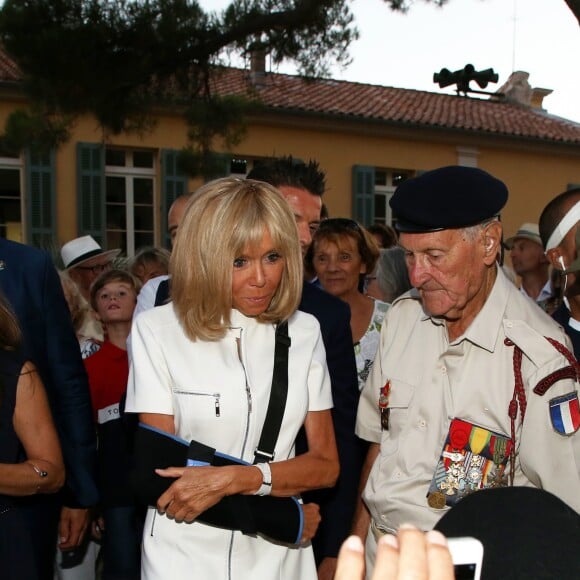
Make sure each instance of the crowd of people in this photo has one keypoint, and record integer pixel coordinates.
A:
(288, 394)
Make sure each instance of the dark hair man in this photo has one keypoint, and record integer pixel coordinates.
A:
(472, 386)
(302, 184)
(559, 232)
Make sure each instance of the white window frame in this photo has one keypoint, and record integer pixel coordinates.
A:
(129, 172)
(17, 163)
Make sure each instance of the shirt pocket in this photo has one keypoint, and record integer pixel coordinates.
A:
(195, 403)
(400, 399)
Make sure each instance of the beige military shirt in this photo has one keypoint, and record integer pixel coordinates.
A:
(472, 378)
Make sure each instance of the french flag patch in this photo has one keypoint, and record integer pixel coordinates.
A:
(565, 413)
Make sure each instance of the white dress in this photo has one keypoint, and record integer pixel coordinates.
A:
(222, 401)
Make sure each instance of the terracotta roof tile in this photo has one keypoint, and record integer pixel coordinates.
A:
(401, 106)
(365, 102)
(9, 71)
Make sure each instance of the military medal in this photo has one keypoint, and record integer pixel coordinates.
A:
(436, 500)
(384, 405)
(473, 458)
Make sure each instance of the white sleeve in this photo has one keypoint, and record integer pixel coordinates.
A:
(146, 297)
(149, 385)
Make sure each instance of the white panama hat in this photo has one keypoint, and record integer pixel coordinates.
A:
(80, 250)
(527, 231)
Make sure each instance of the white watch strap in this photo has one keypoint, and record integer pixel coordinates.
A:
(266, 487)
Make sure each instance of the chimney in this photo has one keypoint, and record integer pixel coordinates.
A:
(258, 67)
(538, 95)
(517, 89)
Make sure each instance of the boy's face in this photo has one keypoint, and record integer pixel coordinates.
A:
(116, 302)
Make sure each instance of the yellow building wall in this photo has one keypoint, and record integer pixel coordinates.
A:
(533, 173)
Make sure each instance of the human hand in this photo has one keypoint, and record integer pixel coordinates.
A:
(312, 519)
(196, 490)
(411, 555)
(72, 527)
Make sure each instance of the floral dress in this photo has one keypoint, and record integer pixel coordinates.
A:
(366, 348)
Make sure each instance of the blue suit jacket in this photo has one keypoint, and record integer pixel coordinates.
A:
(32, 287)
(336, 504)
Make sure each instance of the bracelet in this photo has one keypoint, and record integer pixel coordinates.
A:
(41, 472)
(266, 487)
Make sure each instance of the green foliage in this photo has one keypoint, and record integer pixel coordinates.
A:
(219, 123)
(35, 128)
(116, 59)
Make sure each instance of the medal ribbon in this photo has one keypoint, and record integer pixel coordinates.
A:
(478, 439)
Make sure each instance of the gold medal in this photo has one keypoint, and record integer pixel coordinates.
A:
(436, 500)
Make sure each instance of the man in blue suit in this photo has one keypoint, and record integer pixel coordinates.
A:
(303, 184)
(31, 284)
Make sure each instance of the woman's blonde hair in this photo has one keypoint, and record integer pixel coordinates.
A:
(78, 307)
(222, 219)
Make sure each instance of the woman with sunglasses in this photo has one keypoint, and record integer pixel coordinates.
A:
(342, 254)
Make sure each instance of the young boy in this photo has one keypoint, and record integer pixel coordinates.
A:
(113, 298)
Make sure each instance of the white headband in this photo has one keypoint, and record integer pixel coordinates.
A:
(565, 225)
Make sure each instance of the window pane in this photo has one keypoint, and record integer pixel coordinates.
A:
(143, 190)
(399, 177)
(115, 157)
(238, 167)
(117, 240)
(116, 217)
(380, 177)
(143, 216)
(115, 190)
(143, 239)
(10, 218)
(380, 207)
(143, 159)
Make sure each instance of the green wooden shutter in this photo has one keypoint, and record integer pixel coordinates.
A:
(40, 194)
(363, 194)
(173, 184)
(91, 191)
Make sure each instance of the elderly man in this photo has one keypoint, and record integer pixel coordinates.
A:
(560, 236)
(472, 387)
(530, 263)
(84, 260)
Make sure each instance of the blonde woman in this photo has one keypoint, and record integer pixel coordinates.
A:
(202, 368)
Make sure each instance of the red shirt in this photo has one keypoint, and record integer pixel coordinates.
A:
(108, 371)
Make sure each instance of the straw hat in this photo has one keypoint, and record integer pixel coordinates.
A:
(81, 250)
(528, 231)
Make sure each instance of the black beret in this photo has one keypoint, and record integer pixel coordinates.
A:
(445, 198)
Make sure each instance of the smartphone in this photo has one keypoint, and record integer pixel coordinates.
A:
(467, 555)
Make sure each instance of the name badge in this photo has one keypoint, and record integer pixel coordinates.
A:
(110, 413)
